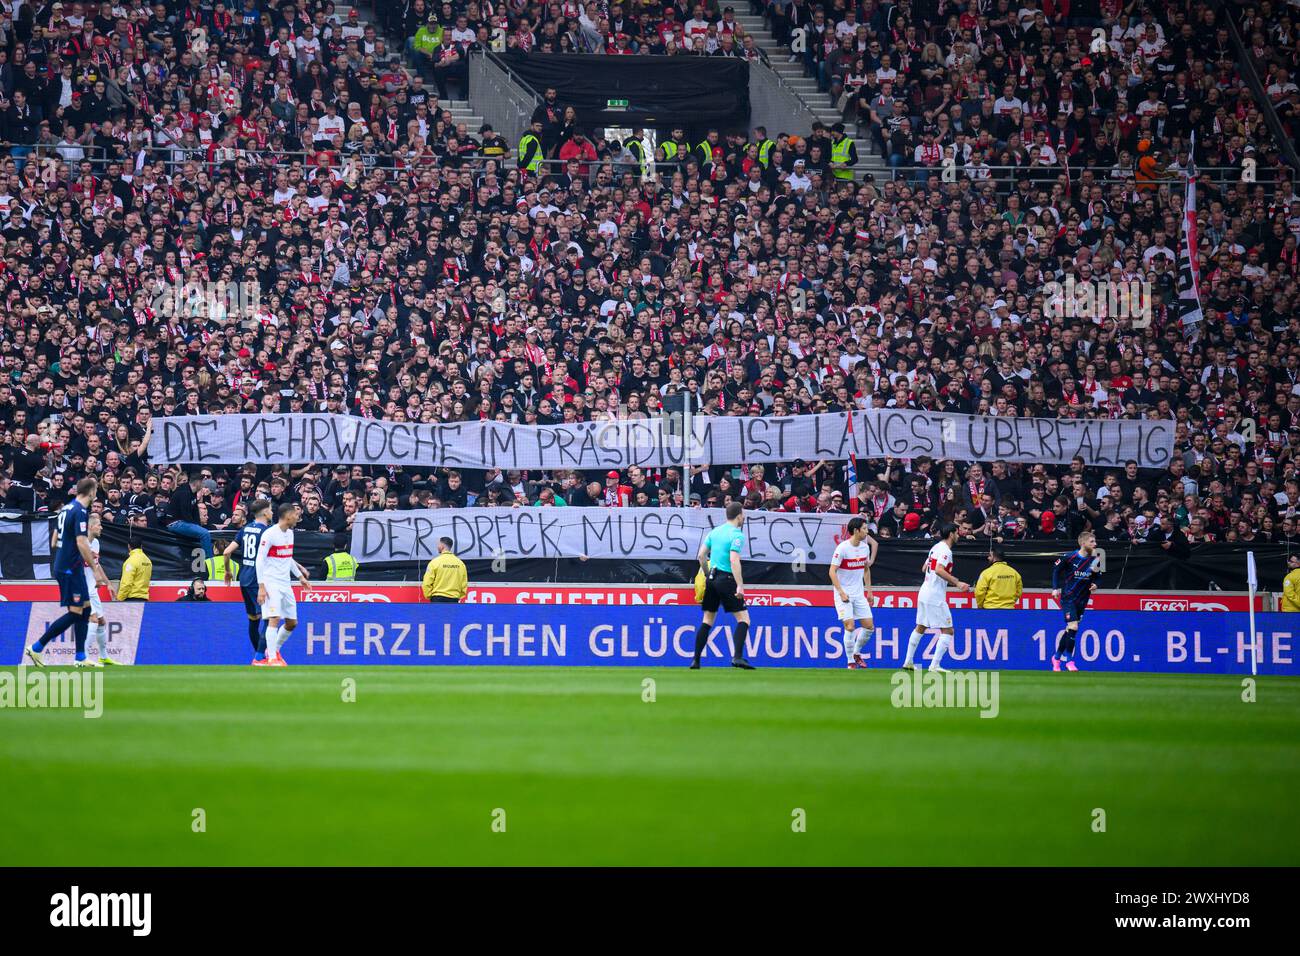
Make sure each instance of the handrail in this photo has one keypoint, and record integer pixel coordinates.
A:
(500, 61)
(500, 95)
(1004, 175)
(998, 175)
(1251, 76)
(276, 158)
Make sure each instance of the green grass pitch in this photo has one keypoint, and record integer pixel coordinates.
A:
(711, 772)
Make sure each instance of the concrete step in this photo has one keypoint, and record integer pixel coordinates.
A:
(805, 87)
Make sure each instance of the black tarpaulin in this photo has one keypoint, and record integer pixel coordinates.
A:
(692, 90)
(24, 554)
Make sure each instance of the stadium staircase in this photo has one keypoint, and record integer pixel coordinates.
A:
(805, 87)
(461, 111)
(791, 74)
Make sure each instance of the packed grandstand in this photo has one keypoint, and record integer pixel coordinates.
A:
(408, 268)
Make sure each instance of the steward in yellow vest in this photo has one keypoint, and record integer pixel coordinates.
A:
(445, 579)
(637, 149)
(529, 155)
(999, 586)
(1291, 585)
(217, 565)
(765, 146)
(340, 566)
(844, 154)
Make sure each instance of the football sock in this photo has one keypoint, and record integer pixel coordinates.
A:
(738, 638)
(701, 639)
(850, 642)
(913, 643)
(261, 639)
(272, 639)
(859, 640)
(79, 631)
(1065, 650)
(282, 639)
(100, 633)
(941, 648)
(254, 637)
(56, 628)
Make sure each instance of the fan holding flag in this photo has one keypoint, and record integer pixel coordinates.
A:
(851, 469)
(1189, 278)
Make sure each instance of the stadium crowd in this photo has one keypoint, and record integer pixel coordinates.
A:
(406, 268)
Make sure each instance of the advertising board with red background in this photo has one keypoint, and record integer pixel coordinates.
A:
(361, 592)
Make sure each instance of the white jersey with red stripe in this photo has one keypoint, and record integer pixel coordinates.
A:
(850, 563)
(92, 587)
(275, 563)
(935, 588)
(90, 572)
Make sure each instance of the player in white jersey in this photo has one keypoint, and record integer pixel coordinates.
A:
(276, 572)
(94, 576)
(851, 578)
(932, 612)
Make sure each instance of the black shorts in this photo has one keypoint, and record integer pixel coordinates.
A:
(720, 591)
(249, 593)
(73, 591)
(440, 599)
(1074, 609)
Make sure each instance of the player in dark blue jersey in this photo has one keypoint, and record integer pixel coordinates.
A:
(244, 549)
(1073, 581)
(72, 556)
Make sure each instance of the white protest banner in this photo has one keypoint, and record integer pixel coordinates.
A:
(606, 533)
(651, 442)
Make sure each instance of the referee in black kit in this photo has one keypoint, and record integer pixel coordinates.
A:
(724, 585)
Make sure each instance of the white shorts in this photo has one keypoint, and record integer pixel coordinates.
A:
(932, 613)
(857, 608)
(96, 605)
(280, 602)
